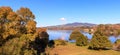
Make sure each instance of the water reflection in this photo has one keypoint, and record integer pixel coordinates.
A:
(64, 34)
(112, 39)
(58, 34)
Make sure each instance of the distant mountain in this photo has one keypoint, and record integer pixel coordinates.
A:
(76, 24)
(71, 25)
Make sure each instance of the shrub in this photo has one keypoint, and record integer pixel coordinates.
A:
(117, 41)
(51, 44)
(117, 44)
(60, 42)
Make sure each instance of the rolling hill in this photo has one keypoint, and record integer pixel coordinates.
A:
(71, 26)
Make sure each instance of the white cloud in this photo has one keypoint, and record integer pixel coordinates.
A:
(62, 19)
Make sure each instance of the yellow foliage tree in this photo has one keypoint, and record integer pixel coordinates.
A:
(31, 26)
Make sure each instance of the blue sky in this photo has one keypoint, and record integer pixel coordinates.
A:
(55, 12)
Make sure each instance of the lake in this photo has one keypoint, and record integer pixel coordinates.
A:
(64, 34)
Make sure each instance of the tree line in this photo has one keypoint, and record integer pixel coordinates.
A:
(99, 40)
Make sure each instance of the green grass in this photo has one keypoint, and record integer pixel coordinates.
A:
(72, 49)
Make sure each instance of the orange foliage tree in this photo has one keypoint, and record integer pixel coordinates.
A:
(12, 24)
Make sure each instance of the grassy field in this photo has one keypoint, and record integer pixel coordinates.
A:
(72, 49)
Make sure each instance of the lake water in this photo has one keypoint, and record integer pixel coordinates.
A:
(64, 34)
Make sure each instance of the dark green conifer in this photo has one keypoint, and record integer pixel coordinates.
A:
(81, 40)
(99, 41)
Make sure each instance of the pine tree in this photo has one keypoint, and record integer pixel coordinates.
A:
(81, 40)
(99, 41)
(74, 35)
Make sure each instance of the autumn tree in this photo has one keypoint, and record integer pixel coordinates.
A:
(18, 35)
(9, 22)
(12, 24)
(31, 26)
(28, 25)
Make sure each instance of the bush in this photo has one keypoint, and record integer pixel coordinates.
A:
(117, 41)
(117, 45)
(60, 42)
(99, 41)
(51, 44)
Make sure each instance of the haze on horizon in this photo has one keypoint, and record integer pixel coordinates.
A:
(56, 12)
